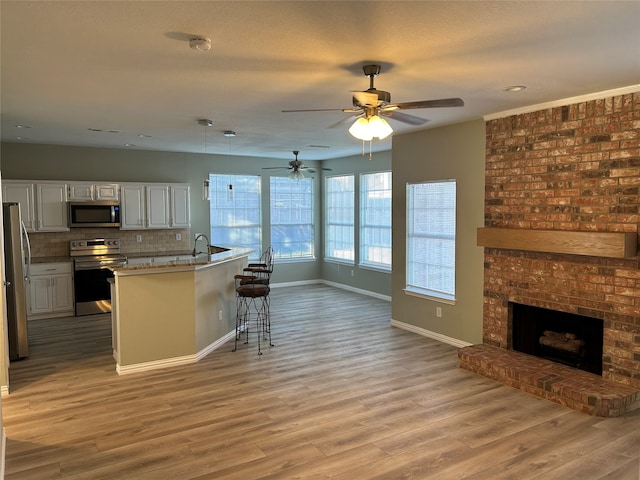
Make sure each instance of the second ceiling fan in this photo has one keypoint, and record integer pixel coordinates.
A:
(296, 167)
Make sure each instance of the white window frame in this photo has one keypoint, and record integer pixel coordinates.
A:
(339, 238)
(295, 205)
(379, 229)
(227, 195)
(431, 227)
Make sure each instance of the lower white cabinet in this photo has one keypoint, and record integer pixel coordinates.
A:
(50, 290)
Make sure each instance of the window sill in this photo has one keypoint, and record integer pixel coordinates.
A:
(449, 300)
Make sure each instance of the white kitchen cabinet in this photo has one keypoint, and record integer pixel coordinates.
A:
(50, 290)
(133, 207)
(180, 206)
(51, 210)
(82, 192)
(107, 191)
(158, 206)
(23, 193)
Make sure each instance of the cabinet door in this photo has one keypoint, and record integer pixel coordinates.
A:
(157, 206)
(180, 206)
(23, 194)
(80, 192)
(109, 191)
(132, 208)
(40, 295)
(52, 207)
(62, 293)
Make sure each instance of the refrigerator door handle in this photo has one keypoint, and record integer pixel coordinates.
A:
(28, 263)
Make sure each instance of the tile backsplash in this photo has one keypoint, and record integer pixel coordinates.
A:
(56, 244)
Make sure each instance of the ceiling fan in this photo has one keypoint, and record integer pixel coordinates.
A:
(296, 167)
(372, 104)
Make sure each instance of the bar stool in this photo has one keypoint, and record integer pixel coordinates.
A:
(253, 301)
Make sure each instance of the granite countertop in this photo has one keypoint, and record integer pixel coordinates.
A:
(158, 263)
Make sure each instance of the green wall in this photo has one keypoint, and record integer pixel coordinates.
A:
(452, 152)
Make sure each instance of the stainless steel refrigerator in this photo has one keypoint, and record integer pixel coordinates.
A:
(17, 259)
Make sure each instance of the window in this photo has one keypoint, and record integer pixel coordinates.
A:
(235, 211)
(292, 218)
(375, 220)
(339, 198)
(431, 238)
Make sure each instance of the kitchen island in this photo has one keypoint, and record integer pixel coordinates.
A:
(173, 310)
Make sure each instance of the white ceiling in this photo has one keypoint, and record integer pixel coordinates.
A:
(68, 66)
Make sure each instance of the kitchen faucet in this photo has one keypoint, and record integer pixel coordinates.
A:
(195, 244)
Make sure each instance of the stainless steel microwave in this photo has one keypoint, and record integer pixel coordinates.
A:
(94, 214)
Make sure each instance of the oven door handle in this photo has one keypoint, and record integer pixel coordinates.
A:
(80, 266)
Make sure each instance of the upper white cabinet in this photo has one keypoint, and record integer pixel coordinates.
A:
(23, 193)
(80, 191)
(132, 207)
(157, 206)
(154, 206)
(180, 206)
(43, 206)
(52, 207)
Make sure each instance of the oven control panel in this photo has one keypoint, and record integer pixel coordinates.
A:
(95, 246)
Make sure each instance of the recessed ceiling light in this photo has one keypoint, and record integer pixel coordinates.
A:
(205, 122)
(22, 138)
(142, 135)
(23, 126)
(319, 146)
(229, 133)
(129, 144)
(514, 88)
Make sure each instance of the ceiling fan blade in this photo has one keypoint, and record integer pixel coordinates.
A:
(366, 98)
(443, 102)
(277, 168)
(345, 119)
(314, 110)
(404, 117)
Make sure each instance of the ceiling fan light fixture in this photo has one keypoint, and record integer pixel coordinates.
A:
(379, 127)
(360, 129)
(296, 175)
(366, 129)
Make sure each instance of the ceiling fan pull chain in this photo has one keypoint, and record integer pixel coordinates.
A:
(370, 154)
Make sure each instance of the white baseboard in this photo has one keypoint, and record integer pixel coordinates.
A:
(176, 361)
(428, 333)
(333, 284)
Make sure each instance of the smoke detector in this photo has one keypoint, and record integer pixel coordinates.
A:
(202, 44)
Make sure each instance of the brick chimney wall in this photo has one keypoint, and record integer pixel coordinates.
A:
(573, 168)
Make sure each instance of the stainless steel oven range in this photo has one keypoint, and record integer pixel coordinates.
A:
(92, 260)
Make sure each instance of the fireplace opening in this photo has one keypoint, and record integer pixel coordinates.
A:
(567, 338)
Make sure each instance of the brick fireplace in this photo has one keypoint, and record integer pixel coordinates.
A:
(573, 168)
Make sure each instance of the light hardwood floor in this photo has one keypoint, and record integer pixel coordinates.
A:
(342, 395)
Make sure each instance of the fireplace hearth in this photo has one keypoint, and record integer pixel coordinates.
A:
(567, 338)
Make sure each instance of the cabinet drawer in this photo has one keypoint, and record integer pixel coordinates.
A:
(50, 268)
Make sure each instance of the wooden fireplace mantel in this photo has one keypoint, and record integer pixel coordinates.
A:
(595, 244)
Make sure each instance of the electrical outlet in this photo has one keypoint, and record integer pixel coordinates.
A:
(438, 312)
(139, 238)
(178, 236)
(353, 273)
(219, 314)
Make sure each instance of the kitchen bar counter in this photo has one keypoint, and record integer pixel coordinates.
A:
(173, 313)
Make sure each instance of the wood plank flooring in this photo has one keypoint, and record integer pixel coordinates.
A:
(342, 395)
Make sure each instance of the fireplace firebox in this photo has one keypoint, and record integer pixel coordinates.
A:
(566, 338)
